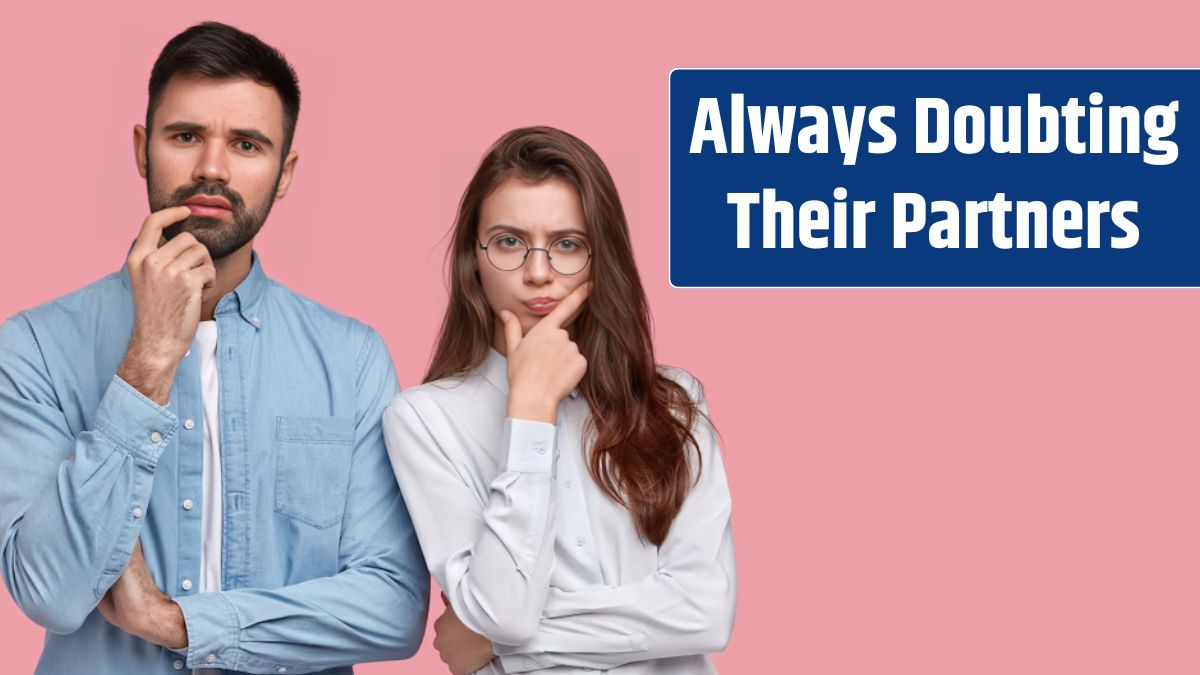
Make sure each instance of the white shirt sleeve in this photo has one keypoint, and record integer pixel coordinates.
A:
(492, 559)
(686, 607)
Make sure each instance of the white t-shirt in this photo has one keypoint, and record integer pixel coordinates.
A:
(210, 518)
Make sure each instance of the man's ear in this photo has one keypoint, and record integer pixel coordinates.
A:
(139, 148)
(285, 175)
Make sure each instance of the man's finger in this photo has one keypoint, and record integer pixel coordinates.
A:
(568, 309)
(205, 274)
(172, 249)
(152, 227)
(512, 330)
(193, 256)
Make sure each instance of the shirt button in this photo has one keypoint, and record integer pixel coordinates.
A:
(210, 658)
(155, 437)
(188, 424)
(579, 542)
(281, 669)
(186, 584)
(567, 484)
(187, 505)
(137, 512)
(178, 664)
(255, 320)
(541, 449)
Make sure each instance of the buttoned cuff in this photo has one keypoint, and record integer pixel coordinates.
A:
(135, 423)
(521, 663)
(529, 445)
(212, 630)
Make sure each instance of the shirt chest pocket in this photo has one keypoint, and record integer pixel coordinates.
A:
(312, 470)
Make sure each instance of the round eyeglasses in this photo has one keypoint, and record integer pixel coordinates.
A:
(508, 252)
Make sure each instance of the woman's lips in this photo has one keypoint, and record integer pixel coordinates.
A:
(540, 306)
(208, 211)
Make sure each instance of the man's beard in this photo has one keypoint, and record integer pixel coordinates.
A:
(221, 238)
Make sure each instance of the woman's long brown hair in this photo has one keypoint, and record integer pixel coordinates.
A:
(641, 420)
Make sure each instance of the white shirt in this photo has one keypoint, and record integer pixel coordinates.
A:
(535, 556)
(210, 516)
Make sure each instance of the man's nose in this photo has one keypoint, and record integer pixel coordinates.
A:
(213, 165)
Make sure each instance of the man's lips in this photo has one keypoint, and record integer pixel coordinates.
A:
(209, 206)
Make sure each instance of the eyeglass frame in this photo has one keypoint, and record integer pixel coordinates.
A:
(530, 249)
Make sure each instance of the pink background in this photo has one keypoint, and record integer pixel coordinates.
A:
(935, 482)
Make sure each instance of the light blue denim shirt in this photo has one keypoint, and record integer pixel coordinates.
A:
(320, 564)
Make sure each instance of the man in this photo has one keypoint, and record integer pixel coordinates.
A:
(194, 470)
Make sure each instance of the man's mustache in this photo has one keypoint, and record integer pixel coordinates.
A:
(209, 190)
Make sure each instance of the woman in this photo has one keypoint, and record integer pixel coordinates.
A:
(568, 493)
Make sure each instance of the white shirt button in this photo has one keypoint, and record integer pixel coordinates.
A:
(155, 437)
(137, 512)
(178, 664)
(185, 355)
(187, 505)
(281, 669)
(186, 584)
(210, 658)
(255, 320)
(541, 449)
(579, 542)
(188, 424)
(567, 484)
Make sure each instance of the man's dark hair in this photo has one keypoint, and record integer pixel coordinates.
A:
(220, 51)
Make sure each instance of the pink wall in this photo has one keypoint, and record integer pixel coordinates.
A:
(935, 482)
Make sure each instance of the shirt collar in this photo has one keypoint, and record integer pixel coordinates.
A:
(495, 370)
(245, 300)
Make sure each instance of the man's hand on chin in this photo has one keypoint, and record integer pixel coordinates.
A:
(135, 605)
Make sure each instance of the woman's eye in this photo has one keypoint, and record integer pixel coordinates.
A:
(509, 242)
(567, 244)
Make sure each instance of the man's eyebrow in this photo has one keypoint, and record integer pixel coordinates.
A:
(181, 127)
(521, 231)
(197, 128)
(253, 134)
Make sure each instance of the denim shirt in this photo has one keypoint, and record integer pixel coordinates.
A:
(320, 564)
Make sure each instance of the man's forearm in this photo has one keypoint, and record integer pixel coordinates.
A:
(165, 625)
(159, 620)
(137, 606)
(150, 374)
